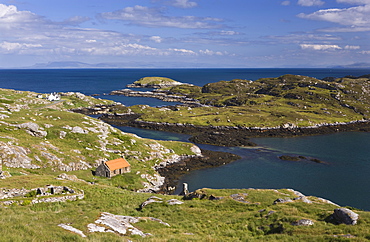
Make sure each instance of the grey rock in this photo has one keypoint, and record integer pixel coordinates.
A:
(4, 174)
(349, 236)
(283, 200)
(15, 156)
(303, 199)
(346, 216)
(79, 130)
(185, 190)
(120, 224)
(240, 197)
(33, 129)
(72, 229)
(2, 116)
(152, 199)
(303, 222)
(174, 202)
(62, 134)
(214, 198)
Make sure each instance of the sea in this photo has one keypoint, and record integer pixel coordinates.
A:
(343, 178)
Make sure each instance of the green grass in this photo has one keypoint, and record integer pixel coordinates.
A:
(269, 102)
(155, 81)
(195, 220)
(91, 147)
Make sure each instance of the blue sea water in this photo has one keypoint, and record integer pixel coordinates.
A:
(344, 178)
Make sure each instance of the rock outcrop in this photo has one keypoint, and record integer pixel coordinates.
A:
(345, 215)
(33, 129)
(16, 156)
(120, 224)
(72, 229)
(303, 222)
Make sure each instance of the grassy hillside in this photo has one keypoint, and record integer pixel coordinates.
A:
(255, 219)
(40, 139)
(72, 142)
(270, 102)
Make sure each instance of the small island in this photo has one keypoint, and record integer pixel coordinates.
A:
(155, 82)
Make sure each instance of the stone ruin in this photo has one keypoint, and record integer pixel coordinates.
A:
(48, 193)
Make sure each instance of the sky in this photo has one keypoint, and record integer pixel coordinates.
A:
(185, 33)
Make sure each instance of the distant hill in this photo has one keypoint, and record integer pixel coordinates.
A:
(355, 65)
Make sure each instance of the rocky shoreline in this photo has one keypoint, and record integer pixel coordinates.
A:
(236, 136)
(174, 171)
(161, 95)
(218, 135)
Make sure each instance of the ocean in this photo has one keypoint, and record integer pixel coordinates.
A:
(343, 179)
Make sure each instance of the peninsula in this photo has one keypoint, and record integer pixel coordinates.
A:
(288, 105)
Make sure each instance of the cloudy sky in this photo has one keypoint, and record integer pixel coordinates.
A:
(185, 33)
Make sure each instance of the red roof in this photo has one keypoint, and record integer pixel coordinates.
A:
(117, 164)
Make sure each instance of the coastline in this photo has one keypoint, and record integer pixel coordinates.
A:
(235, 136)
(174, 171)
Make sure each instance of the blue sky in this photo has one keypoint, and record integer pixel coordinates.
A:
(185, 33)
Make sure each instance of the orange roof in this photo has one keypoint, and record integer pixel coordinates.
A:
(117, 164)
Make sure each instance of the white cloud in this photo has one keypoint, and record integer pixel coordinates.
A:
(309, 3)
(12, 47)
(183, 51)
(153, 17)
(23, 32)
(352, 47)
(223, 32)
(183, 4)
(210, 52)
(348, 29)
(365, 52)
(156, 39)
(320, 47)
(358, 18)
(354, 1)
(11, 17)
(299, 38)
(285, 3)
(119, 49)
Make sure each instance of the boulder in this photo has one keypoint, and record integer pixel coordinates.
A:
(283, 200)
(303, 222)
(152, 199)
(345, 215)
(239, 197)
(174, 202)
(33, 129)
(79, 130)
(62, 134)
(303, 199)
(185, 190)
(214, 198)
